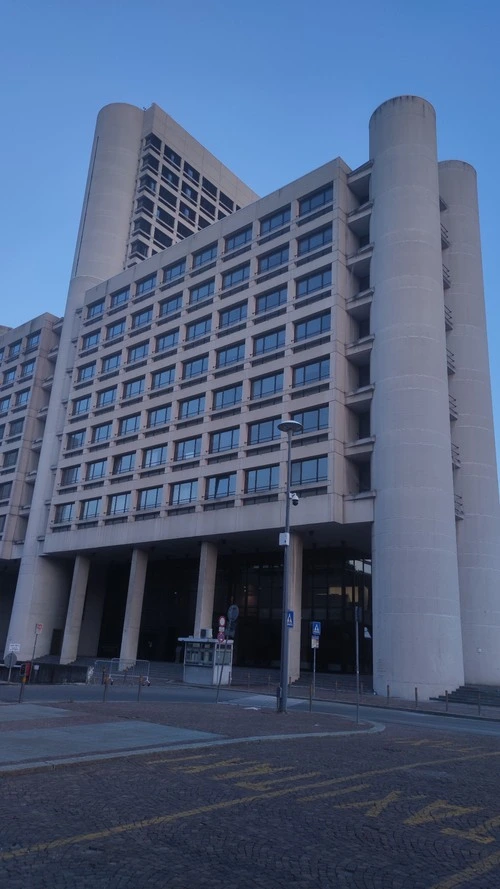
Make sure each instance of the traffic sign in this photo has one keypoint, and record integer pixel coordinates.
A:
(222, 621)
(314, 642)
(289, 620)
(232, 613)
(14, 646)
(10, 659)
(366, 633)
(316, 628)
(38, 628)
(221, 637)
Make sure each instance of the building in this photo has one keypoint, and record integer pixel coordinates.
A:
(349, 300)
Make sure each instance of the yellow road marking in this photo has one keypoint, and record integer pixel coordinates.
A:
(264, 786)
(221, 764)
(475, 834)
(331, 793)
(438, 811)
(470, 873)
(262, 769)
(153, 762)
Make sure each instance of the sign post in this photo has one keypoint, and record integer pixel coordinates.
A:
(38, 630)
(357, 620)
(315, 634)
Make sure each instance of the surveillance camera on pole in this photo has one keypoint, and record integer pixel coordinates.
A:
(295, 499)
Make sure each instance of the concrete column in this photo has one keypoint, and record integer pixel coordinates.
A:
(92, 616)
(206, 587)
(133, 609)
(416, 611)
(75, 610)
(476, 481)
(295, 600)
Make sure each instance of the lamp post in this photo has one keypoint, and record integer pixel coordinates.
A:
(288, 426)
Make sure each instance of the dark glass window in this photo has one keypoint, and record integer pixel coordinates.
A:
(275, 220)
(205, 255)
(220, 486)
(133, 387)
(81, 405)
(90, 509)
(274, 259)
(316, 199)
(119, 503)
(267, 342)
(202, 291)
(27, 368)
(176, 270)
(123, 463)
(228, 397)
(141, 318)
(168, 197)
(270, 300)
(106, 396)
(188, 449)
(22, 397)
(191, 172)
(231, 354)
(15, 349)
(169, 176)
(91, 339)
(111, 362)
(154, 456)
(129, 424)
(171, 305)
(313, 282)
(264, 479)
(311, 372)
(146, 285)
(313, 419)
(86, 372)
(209, 187)
(96, 469)
(172, 156)
(226, 201)
(101, 432)
(312, 326)
(95, 309)
(236, 276)
(115, 329)
(187, 212)
(233, 315)
(314, 240)
(75, 439)
(183, 492)
(194, 366)
(225, 440)
(208, 207)
(148, 182)
(149, 498)
(15, 427)
(191, 407)
(137, 353)
(10, 458)
(268, 385)
(63, 513)
(69, 475)
(264, 430)
(198, 328)
(9, 376)
(239, 238)
(33, 340)
(314, 469)
(159, 416)
(167, 340)
(163, 377)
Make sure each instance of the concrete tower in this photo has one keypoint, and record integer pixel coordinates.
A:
(478, 534)
(417, 632)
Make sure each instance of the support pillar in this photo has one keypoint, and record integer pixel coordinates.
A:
(75, 610)
(295, 601)
(133, 610)
(206, 587)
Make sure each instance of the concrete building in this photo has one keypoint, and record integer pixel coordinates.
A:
(350, 300)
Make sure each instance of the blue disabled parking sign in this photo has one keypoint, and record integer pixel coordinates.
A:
(316, 628)
(289, 620)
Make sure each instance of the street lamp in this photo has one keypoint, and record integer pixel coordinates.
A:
(288, 426)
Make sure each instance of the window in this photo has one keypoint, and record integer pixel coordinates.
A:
(265, 430)
(152, 141)
(10, 458)
(101, 432)
(22, 397)
(148, 182)
(2, 430)
(167, 196)
(145, 285)
(115, 329)
(129, 424)
(269, 341)
(86, 372)
(275, 220)
(311, 372)
(163, 377)
(191, 172)
(172, 156)
(161, 238)
(312, 419)
(5, 489)
(81, 405)
(119, 298)
(233, 315)
(95, 309)
(191, 407)
(236, 276)
(226, 440)
(176, 270)
(27, 368)
(202, 291)
(167, 219)
(15, 349)
(183, 492)
(169, 176)
(70, 475)
(264, 479)
(226, 201)
(209, 187)
(208, 207)
(316, 199)
(33, 340)
(167, 341)
(188, 449)
(90, 509)
(159, 416)
(274, 259)
(268, 385)
(171, 305)
(304, 472)
(4, 403)
(91, 339)
(112, 362)
(230, 355)
(198, 328)
(2, 351)
(3, 519)
(194, 367)
(134, 387)
(187, 212)
(124, 463)
(96, 469)
(228, 397)
(154, 456)
(203, 256)
(15, 427)
(313, 326)
(313, 282)
(183, 231)
(221, 486)
(137, 353)
(119, 503)
(63, 513)
(141, 225)
(75, 440)
(314, 240)
(139, 248)
(239, 238)
(270, 300)
(9, 376)
(149, 160)
(149, 498)
(106, 396)
(141, 318)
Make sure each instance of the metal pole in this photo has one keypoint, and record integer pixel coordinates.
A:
(33, 655)
(286, 569)
(356, 625)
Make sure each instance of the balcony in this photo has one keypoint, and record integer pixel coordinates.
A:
(47, 382)
(358, 508)
(359, 400)
(455, 456)
(359, 262)
(452, 401)
(446, 277)
(359, 180)
(358, 306)
(448, 318)
(358, 220)
(445, 240)
(359, 451)
(450, 361)
(459, 507)
(359, 352)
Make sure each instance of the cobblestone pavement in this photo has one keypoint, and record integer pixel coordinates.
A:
(400, 809)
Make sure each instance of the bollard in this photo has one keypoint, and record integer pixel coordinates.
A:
(416, 697)
(105, 689)
(139, 688)
(278, 698)
(388, 691)
(479, 703)
(21, 690)
(446, 701)
(362, 688)
(310, 697)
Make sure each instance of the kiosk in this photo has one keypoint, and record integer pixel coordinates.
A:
(207, 661)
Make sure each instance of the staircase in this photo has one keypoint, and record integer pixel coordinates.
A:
(485, 695)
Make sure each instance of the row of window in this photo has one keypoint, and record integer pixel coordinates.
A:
(15, 428)
(268, 384)
(266, 478)
(13, 350)
(26, 369)
(264, 302)
(20, 400)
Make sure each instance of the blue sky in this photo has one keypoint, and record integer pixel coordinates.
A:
(272, 88)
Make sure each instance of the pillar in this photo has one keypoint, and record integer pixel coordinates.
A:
(476, 481)
(92, 615)
(133, 609)
(75, 610)
(416, 610)
(206, 587)
(295, 603)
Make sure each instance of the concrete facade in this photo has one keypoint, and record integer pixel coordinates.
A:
(348, 300)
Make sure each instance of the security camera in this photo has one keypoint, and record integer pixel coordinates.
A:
(295, 499)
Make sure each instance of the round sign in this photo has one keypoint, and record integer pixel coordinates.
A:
(222, 621)
(221, 637)
(10, 659)
(233, 612)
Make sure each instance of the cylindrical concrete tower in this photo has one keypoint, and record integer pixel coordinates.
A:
(478, 535)
(416, 620)
(42, 586)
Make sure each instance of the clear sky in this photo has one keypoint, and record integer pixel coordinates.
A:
(274, 88)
